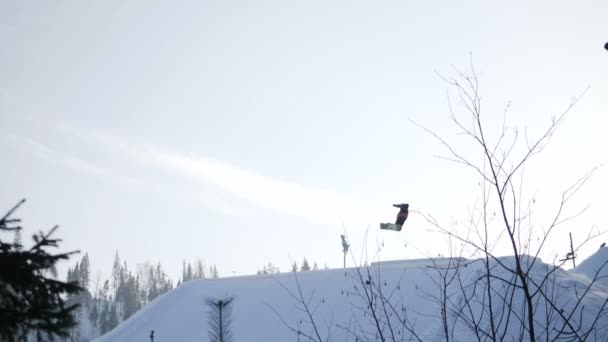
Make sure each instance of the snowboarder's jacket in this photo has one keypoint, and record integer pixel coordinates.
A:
(403, 212)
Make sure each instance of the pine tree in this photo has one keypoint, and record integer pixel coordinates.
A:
(122, 283)
(116, 273)
(75, 332)
(81, 274)
(105, 290)
(189, 272)
(112, 317)
(199, 271)
(70, 275)
(94, 315)
(74, 275)
(153, 286)
(294, 267)
(168, 285)
(131, 302)
(164, 283)
(214, 272)
(137, 292)
(143, 295)
(104, 325)
(30, 302)
(85, 273)
(305, 266)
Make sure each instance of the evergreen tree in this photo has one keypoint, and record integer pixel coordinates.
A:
(214, 272)
(112, 317)
(116, 273)
(122, 283)
(31, 302)
(73, 276)
(104, 325)
(94, 315)
(294, 267)
(305, 266)
(153, 286)
(137, 292)
(84, 274)
(143, 295)
(168, 285)
(75, 332)
(315, 267)
(159, 282)
(199, 271)
(105, 290)
(70, 275)
(145, 278)
(131, 302)
(189, 272)
(81, 274)
(160, 279)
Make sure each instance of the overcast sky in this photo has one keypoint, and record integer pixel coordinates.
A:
(243, 132)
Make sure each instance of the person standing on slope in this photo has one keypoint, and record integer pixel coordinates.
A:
(403, 212)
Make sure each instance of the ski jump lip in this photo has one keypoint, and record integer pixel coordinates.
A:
(422, 263)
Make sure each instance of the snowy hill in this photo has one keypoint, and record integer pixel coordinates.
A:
(265, 305)
(595, 264)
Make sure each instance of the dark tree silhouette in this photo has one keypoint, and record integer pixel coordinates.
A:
(220, 321)
(31, 302)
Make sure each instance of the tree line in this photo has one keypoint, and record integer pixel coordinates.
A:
(104, 304)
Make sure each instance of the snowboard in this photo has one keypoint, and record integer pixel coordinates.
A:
(390, 226)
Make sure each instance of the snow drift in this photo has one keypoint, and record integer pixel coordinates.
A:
(595, 265)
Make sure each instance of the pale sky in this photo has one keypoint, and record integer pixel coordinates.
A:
(244, 132)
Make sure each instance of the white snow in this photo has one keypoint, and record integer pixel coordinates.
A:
(595, 264)
(181, 315)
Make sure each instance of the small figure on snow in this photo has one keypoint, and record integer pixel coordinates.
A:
(403, 212)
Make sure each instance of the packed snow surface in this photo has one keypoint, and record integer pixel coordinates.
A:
(596, 264)
(268, 308)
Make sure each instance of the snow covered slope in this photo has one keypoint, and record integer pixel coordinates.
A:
(264, 305)
(597, 264)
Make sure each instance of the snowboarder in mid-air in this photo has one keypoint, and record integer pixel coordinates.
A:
(402, 214)
(401, 217)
